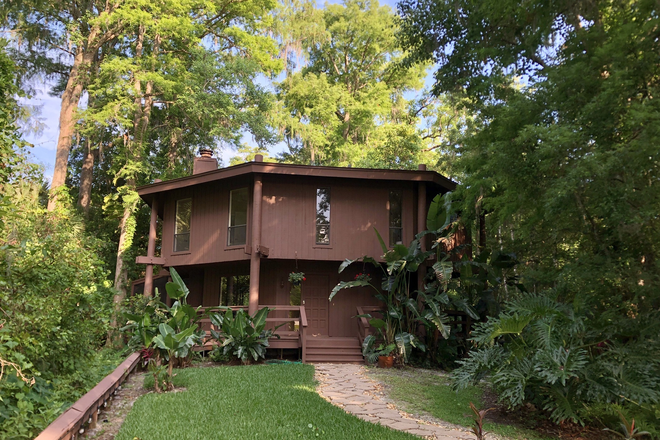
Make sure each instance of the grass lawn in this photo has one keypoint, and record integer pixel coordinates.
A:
(260, 401)
(422, 392)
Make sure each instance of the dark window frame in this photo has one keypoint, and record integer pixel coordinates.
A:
(232, 228)
(175, 248)
(395, 230)
(318, 225)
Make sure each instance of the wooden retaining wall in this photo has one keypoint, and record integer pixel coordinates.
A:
(84, 413)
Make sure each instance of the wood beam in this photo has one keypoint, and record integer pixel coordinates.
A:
(160, 261)
(421, 226)
(255, 257)
(151, 248)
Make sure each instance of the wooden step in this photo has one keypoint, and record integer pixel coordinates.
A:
(333, 342)
(327, 359)
(334, 351)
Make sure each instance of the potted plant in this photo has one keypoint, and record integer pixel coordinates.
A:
(383, 352)
(296, 278)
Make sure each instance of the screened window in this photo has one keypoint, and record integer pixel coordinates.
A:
(396, 231)
(323, 216)
(238, 207)
(182, 225)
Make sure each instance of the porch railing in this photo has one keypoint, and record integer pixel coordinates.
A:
(364, 328)
(293, 337)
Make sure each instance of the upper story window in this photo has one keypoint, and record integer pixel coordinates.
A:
(182, 225)
(323, 216)
(396, 229)
(238, 214)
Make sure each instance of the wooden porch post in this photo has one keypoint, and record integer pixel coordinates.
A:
(255, 257)
(421, 225)
(149, 276)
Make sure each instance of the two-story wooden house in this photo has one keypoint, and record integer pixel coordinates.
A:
(267, 220)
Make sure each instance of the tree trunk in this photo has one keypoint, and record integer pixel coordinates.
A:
(69, 106)
(79, 75)
(121, 274)
(174, 145)
(134, 149)
(86, 179)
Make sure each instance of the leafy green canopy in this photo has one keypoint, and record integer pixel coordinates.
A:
(564, 160)
(345, 104)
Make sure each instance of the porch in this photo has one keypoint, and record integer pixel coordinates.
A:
(296, 334)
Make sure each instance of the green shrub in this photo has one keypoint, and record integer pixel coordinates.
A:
(559, 358)
(56, 305)
(241, 335)
(163, 332)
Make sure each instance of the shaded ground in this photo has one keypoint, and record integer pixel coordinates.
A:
(426, 394)
(112, 417)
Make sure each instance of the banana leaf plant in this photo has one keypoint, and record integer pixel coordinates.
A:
(174, 344)
(405, 308)
(400, 310)
(170, 332)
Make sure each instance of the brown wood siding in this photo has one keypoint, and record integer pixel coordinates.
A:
(288, 230)
(208, 228)
(356, 208)
(274, 288)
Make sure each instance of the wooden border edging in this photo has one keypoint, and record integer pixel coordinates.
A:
(86, 409)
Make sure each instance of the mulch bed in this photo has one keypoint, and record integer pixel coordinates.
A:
(531, 418)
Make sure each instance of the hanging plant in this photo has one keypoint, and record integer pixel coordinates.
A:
(296, 278)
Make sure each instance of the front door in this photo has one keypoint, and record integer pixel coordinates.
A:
(315, 292)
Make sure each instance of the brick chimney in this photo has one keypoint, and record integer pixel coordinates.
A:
(205, 162)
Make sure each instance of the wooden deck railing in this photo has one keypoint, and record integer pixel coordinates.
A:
(364, 328)
(294, 338)
(84, 413)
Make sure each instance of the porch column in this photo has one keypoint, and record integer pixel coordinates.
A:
(149, 276)
(421, 226)
(255, 257)
(421, 208)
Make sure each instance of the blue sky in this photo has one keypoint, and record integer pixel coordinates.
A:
(45, 142)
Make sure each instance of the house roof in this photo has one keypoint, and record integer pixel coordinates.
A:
(147, 192)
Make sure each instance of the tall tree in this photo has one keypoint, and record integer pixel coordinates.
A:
(565, 161)
(177, 82)
(48, 33)
(349, 97)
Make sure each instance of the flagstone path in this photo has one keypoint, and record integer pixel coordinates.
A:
(346, 386)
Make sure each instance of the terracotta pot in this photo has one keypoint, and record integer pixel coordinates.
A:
(385, 361)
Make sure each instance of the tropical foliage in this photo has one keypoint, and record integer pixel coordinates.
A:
(240, 335)
(166, 333)
(563, 167)
(452, 283)
(541, 351)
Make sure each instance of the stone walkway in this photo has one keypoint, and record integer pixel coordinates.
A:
(346, 386)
